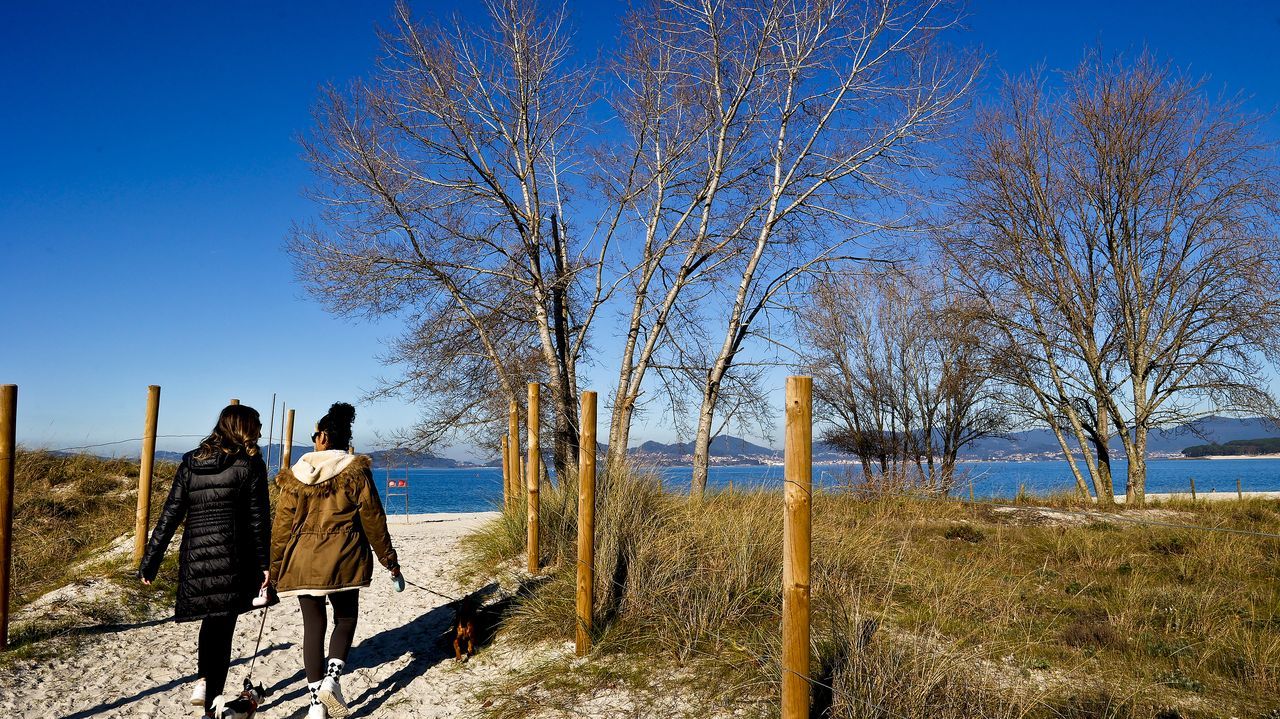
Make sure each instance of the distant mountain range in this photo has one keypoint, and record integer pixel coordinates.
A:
(1161, 441)
(1028, 444)
(1236, 448)
(725, 449)
(382, 458)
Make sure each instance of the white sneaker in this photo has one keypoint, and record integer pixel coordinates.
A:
(331, 697)
(197, 694)
(317, 711)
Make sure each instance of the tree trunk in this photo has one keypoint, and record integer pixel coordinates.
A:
(565, 451)
(619, 431)
(1081, 486)
(1136, 492)
(1103, 452)
(702, 443)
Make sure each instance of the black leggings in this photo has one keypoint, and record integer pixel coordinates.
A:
(346, 605)
(215, 654)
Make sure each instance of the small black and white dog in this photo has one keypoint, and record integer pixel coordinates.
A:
(242, 706)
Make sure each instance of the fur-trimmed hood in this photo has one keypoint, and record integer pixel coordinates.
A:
(317, 467)
(349, 472)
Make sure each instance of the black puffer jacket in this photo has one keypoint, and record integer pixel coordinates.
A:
(226, 544)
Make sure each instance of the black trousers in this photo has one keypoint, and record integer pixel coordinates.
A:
(346, 605)
(215, 654)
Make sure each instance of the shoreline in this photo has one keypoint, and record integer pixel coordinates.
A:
(1232, 456)
(1203, 496)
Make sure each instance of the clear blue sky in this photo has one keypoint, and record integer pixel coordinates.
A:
(149, 173)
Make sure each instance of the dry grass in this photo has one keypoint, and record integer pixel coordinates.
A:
(925, 608)
(67, 510)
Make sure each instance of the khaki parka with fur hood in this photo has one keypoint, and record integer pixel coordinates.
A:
(328, 516)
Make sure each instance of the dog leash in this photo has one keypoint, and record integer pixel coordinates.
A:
(430, 591)
(257, 645)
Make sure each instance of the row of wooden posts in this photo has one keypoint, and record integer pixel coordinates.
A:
(796, 538)
(515, 468)
(796, 526)
(146, 472)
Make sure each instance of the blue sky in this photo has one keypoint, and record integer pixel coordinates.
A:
(149, 172)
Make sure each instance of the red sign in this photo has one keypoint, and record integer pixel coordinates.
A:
(403, 483)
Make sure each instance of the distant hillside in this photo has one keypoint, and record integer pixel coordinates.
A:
(1216, 430)
(1235, 448)
(721, 446)
(382, 458)
(408, 459)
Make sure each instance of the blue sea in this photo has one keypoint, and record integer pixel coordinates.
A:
(480, 489)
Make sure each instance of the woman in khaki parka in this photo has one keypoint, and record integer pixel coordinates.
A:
(328, 518)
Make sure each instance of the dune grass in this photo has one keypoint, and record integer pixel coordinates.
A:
(69, 509)
(922, 608)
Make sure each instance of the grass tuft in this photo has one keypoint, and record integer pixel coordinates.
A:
(921, 608)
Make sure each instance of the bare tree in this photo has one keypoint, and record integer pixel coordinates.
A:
(902, 373)
(685, 76)
(851, 92)
(1122, 227)
(443, 186)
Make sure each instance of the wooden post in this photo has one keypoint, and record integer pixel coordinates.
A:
(1193, 488)
(796, 534)
(8, 448)
(506, 474)
(286, 448)
(234, 401)
(971, 499)
(513, 442)
(1239, 490)
(535, 461)
(271, 431)
(586, 521)
(146, 465)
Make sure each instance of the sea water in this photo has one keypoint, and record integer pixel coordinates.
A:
(480, 489)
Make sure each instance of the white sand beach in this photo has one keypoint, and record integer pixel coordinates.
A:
(1204, 496)
(400, 667)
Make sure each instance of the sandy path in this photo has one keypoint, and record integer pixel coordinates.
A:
(398, 668)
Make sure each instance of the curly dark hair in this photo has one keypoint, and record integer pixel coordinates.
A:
(337, 425)
(238, 430)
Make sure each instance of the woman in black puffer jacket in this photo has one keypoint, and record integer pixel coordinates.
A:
(220, 494)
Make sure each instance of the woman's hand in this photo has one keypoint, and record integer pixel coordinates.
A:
(266, 579)
(145, 581)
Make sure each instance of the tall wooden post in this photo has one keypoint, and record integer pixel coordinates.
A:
(1239, 490)
(286, 443)
(271, 431)
(8, 448)
(513, 442)
(796, 534)
(146, 464)
(1193, 488)
(531, 468)
(586, 521)
(506, 474)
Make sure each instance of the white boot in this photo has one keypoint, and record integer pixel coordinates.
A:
(316, 710)
(331, 696)
(197, 693)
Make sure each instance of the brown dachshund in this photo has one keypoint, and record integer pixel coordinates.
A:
(464, 631)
